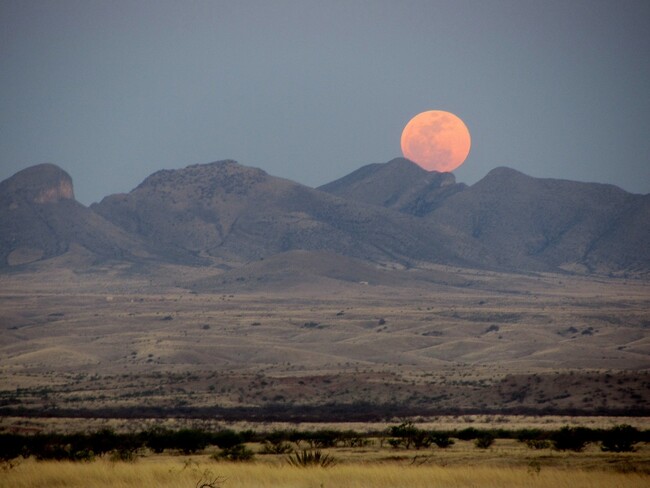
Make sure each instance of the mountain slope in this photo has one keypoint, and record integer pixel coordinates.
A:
(235, 213)
(398, 184)
(392, 213)
(517, 221)
(40, 219)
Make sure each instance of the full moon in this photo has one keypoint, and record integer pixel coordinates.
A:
(436, 140)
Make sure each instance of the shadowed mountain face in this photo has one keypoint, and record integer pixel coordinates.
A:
(512, 221)
(398, 184)
(520, 222)
(227, 211)
(39, 219)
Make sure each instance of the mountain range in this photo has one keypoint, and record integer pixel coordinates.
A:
(390, 215)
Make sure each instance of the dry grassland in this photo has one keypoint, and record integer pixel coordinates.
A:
(163, 472)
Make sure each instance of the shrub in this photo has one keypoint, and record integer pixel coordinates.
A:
(208, 480)
(311, 458)
(538, 443)
(571, 438)
(408, 435)
(468, 434)
(158, 439)
(621, 438)
(189, 441)
(238, 452)
(105, 441)
(484, 441)
(125, 455)
(442, 440)
(353, 439)
(276, 446)
(524, 435)
(226, 439)
(11, 446)
(322, 438)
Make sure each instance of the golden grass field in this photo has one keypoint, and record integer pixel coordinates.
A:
(169, 475)
(506, 464)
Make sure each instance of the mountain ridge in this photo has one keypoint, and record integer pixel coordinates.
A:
(382, 213)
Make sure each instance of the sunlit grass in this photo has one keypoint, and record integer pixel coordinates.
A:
(175, 473)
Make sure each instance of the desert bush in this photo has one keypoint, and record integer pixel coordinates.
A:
(307, 458)
(441, 439)
(190, 441)
(524, 435)
(105, 441)
(322, 438)
(571, 438)
(538, 443)
(238, 452)
(408, 435)
(124, 455)
(209, 480)
(12, 446)
(276, 443)
(484, 441)
(351, 438)
(225, 439)
(621, 438)
(157, 439)
(468, 434)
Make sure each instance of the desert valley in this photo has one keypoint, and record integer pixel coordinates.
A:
(218, 295)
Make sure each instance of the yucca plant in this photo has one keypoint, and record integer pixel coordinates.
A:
(307, 458)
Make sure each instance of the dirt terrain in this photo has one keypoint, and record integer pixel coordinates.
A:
(451, 341)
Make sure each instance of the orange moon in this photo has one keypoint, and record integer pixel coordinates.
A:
(436, 140)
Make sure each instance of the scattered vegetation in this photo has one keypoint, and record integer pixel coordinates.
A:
(85, 447)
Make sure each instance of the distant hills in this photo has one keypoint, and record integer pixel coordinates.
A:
(390, 214)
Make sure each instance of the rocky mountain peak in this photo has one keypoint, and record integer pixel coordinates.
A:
(42, 184)
(225, 176)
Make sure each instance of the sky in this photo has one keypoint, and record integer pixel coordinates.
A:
(112, 91)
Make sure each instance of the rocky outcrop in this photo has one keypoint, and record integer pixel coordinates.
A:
(42, 184)
(40, 219)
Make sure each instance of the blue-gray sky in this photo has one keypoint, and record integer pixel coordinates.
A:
(112, 91)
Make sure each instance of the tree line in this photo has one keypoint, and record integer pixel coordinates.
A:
(232, 444)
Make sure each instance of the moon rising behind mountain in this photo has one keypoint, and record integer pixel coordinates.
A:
(436, 140)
